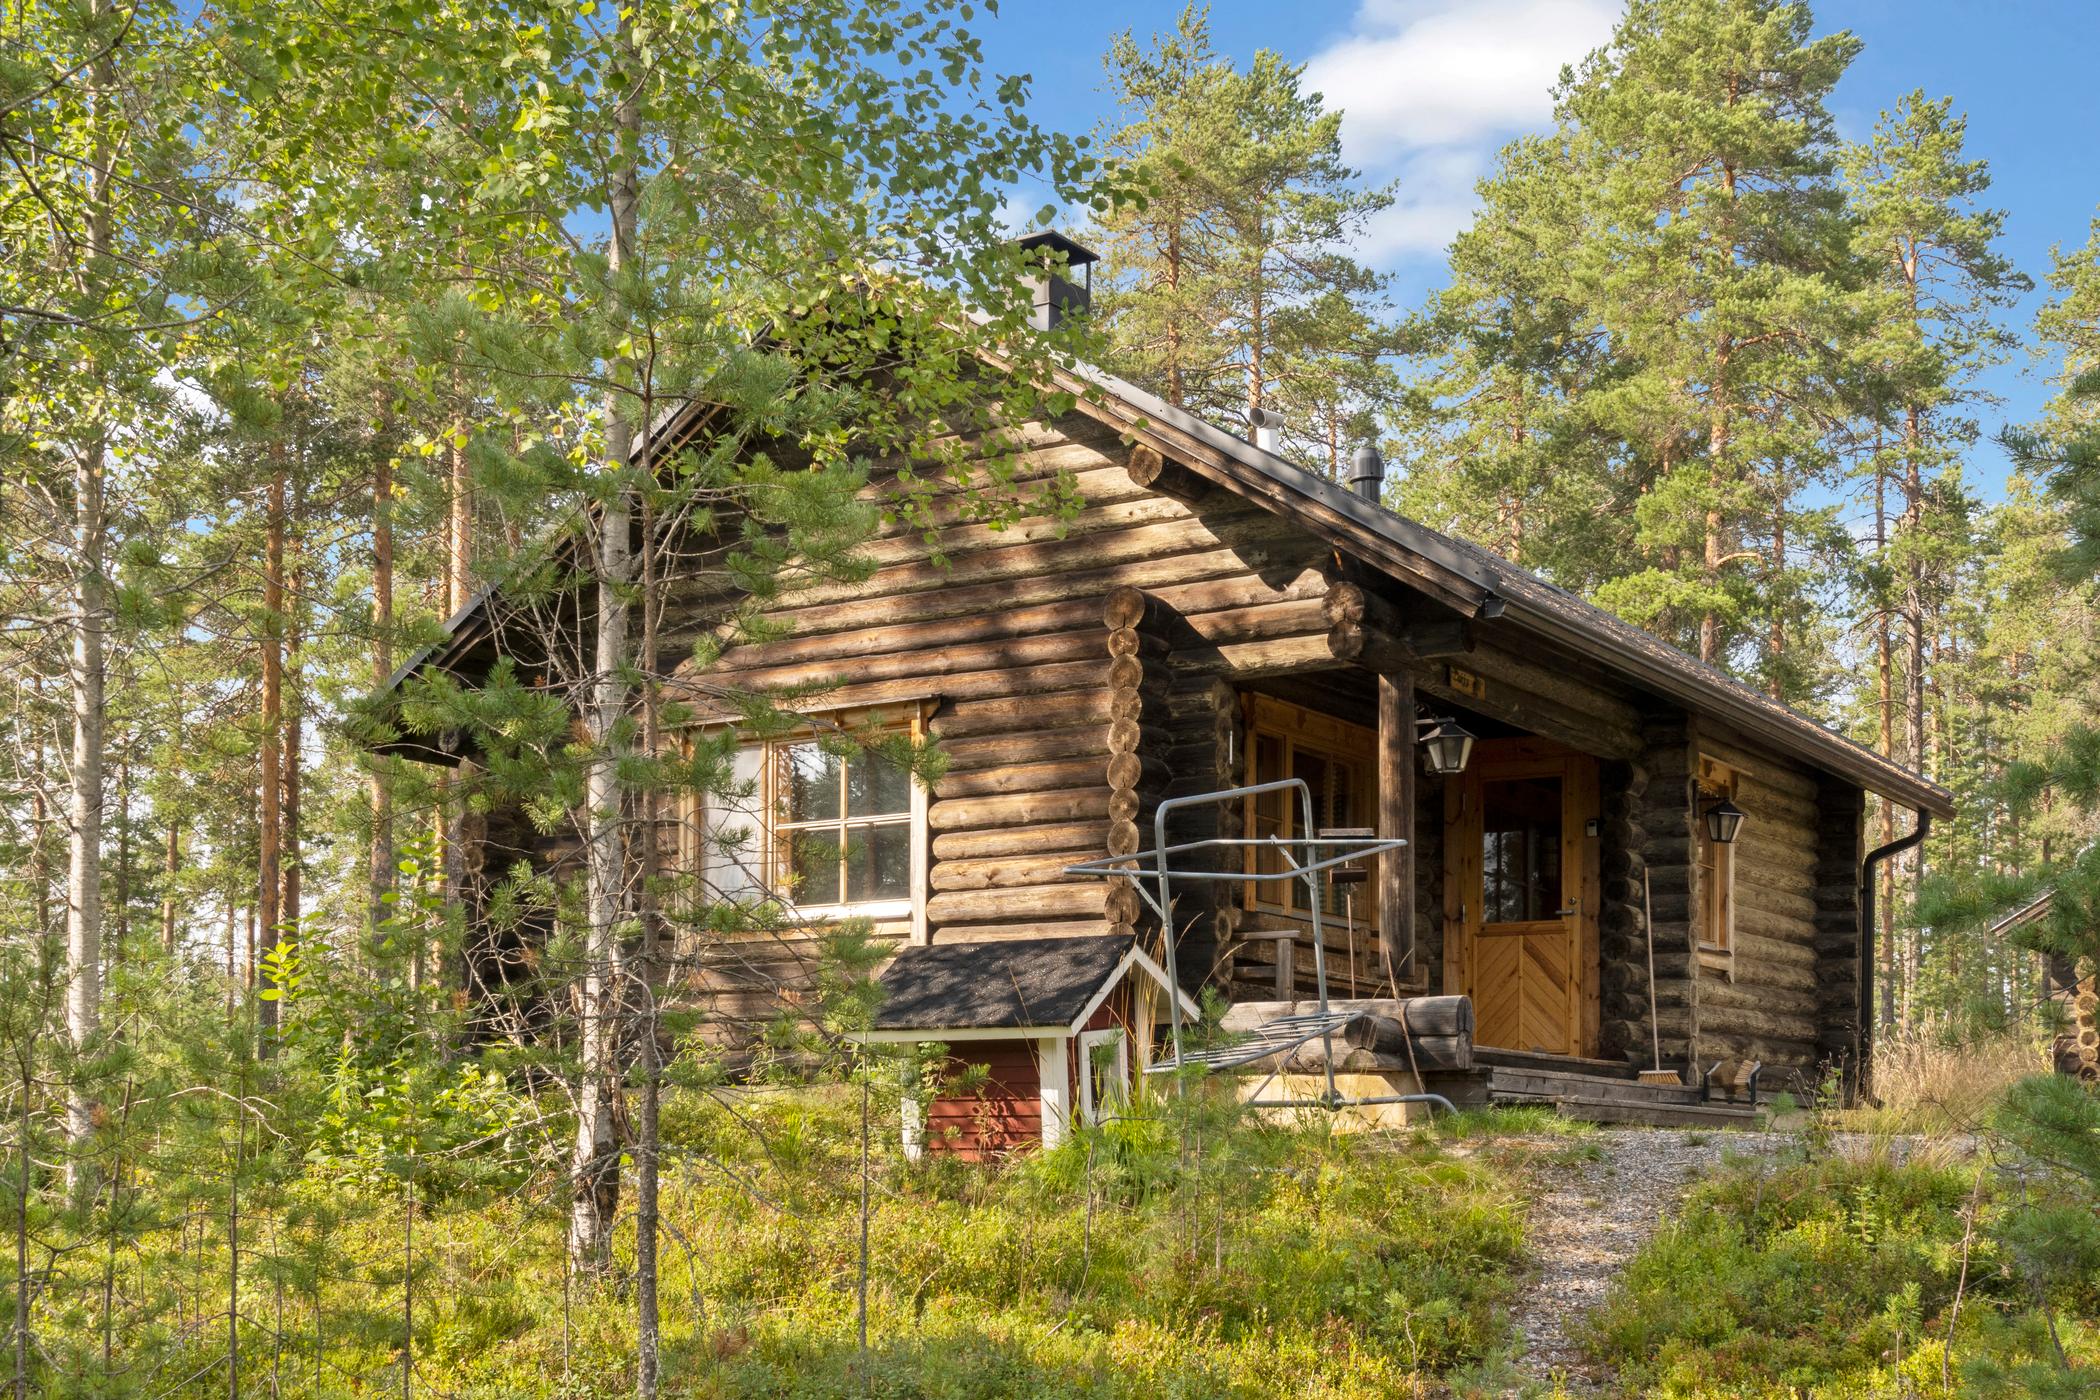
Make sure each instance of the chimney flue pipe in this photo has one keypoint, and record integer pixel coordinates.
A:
(1367, 473)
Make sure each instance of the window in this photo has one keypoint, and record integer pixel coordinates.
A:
(1716, 861)
(1336, 760)
(1520, 879)
(825, 828)
(1104, 1078)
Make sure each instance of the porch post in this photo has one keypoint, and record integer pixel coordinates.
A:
(1396, 817)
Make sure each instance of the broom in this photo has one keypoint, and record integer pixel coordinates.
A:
(1657, 1075)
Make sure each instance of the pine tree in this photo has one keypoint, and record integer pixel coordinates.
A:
(1231, 289)
(1498, 432)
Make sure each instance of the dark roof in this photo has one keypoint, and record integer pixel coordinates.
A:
(998, 985)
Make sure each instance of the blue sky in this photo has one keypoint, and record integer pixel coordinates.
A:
(1430, 89)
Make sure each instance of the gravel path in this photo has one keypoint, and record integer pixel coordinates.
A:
(1588, 1219)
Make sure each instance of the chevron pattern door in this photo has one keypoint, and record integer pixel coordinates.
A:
(1516, 862)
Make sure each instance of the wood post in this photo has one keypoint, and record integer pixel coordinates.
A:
(1396, 818)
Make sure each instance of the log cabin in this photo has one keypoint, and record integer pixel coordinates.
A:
(1640, 863)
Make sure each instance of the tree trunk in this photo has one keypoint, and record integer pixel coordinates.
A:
(459, 587)
(87, 671)
(647, 1147)
(294, 736)
(1717, 442)
(382, 858)
(1886, 709)
(1776, 639)
(84, 813)
(1177, 391)
(171, 870)
(269, 872)
(122, 933)
(595, 1161)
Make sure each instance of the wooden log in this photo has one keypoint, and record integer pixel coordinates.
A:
(1018, 809)
(1078, 578)
(1057, 774)
(1133, 545)
(1370, 1039)
(1245, 590)
(1259, 622)
(999, 653)
(1764, 769)
(1007, 872)
(1434, 1054)
(1027, 746)
(1423, 1016)
(1277, 657)
(1095, 477)
(1396, 819)
(971, 718)
(957, 540)
(1584, 732)
(1124, 838)
(1131, 641)
(1025, 928)
(900, 635)
(1145, 705)
(1088, 898)
(1125, 608)
(968, 685)
(1089, 838)
(1138, 770)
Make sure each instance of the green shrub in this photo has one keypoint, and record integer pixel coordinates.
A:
(1830, 1278)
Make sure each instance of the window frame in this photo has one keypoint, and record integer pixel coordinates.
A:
(770, 849)
(1091, 1109)
(1336, 741)
(1715, 861)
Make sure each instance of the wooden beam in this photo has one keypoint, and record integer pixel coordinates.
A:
(1396, 818)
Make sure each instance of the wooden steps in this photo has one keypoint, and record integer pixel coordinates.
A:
(1598, 1098)
(1659, 1115)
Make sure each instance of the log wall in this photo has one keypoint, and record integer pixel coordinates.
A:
(1647, 833)
(1041, 655)
(1782, 994)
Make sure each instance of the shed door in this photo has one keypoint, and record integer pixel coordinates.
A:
(1518, 892)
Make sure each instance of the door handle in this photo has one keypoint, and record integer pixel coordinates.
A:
(1571, 909)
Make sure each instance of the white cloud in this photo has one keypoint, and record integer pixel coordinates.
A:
(1429, 89)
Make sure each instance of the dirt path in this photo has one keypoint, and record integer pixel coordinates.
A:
(1589, 1218)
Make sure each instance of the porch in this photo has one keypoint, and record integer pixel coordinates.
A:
(1405, 1045)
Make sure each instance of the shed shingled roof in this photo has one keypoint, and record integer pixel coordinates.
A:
(1001, 985)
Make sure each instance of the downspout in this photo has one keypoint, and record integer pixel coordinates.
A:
(1867, 921)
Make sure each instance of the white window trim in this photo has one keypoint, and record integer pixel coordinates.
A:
(1053, 1070)
(1089, 1111)
(765, 851)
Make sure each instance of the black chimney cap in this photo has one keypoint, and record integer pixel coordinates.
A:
(1075, 254)
(1367, 477)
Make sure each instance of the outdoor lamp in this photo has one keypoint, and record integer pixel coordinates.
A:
(1446, 746)
(1723, 820)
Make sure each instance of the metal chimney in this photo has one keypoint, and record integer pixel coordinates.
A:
(1268, 428)
(1053, 262)
(1367, 474)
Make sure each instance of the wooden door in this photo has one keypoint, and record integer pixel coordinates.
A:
(1520, 895)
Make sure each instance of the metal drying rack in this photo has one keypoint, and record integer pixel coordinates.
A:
(1153, 874)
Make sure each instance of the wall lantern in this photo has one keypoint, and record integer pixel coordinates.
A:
(1446, 745)
(1723, 821)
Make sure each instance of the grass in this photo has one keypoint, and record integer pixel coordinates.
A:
(1837, 1277)
(1931, 1080)
(1211, 1256)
